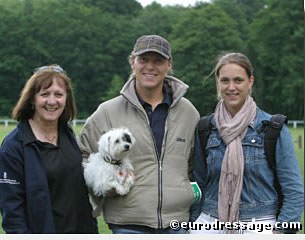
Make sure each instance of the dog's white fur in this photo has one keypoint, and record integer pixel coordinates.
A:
(102, 176)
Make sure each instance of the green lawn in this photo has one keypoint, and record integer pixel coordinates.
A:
(103, 226)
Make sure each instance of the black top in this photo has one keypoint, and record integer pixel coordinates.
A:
(68, 192)
(157, 118)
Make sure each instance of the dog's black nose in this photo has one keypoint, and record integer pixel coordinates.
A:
(126, 147)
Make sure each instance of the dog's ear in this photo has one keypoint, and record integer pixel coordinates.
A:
(127, 138)
(100, 143)
(103, 142)
(108, 143)
(131, 138)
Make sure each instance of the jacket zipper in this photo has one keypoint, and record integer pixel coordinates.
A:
(160, 169)
(159, 159)
(159, 195)
(160, 189)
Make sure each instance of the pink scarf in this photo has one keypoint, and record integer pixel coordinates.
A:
(232, 130)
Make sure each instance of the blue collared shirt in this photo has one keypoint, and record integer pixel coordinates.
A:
(157, 117)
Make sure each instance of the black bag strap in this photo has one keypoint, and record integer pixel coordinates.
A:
(273, 130)
(204, 127)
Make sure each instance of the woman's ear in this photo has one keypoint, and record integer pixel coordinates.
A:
(251, 80)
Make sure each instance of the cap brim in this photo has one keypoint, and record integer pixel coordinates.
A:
(151, 50)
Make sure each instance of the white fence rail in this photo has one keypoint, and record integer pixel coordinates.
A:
(7, 122)
(75, 122)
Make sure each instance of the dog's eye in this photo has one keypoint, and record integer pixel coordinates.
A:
(117, 141)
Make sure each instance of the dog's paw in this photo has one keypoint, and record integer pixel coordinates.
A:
(122, 191)
(129, 173)
(111, 193)
(129, 181)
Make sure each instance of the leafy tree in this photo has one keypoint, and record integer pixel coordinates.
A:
(92, 39)
(126, 7)
(12, 62)
(276, 44)
(114, 89)
(242, 9)
(87, 42)
(155, 19)
(207, 31)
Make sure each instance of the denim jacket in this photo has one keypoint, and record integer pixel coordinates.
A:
(258, 196)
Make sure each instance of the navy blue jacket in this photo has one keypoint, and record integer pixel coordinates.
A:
(25, 202)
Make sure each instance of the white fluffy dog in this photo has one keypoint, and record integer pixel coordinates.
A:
(110, 167)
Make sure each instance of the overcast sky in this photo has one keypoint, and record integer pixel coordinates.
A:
(185, 3)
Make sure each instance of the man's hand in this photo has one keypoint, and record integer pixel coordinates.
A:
(111, 193)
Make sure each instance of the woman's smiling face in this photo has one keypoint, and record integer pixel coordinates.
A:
(234, 85)
(50, 102)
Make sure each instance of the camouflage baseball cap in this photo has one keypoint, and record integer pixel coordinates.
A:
(152, 43)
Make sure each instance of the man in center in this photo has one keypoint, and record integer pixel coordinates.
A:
(152, 106)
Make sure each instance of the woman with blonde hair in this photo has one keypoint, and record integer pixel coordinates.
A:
(236, 180)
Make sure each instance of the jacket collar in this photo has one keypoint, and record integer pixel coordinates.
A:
(167, 97)
(26, 135)
(176, 87)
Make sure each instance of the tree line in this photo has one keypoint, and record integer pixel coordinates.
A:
(92, 40)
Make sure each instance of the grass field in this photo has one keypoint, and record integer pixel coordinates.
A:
(296, 134)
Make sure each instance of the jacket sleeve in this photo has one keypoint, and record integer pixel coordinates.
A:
(94, 128)
(198, 176)
(12, 189)
(290, 180)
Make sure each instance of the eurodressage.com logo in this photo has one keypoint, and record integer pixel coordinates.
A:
(238, 226)
(6, 180)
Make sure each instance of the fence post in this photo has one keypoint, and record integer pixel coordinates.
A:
(300, 141)
(294, 124)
